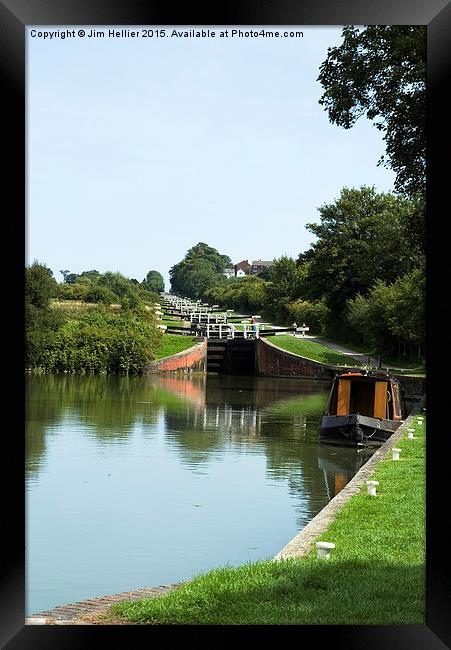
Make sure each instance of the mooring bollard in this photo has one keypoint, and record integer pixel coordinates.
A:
(323, 549)
(410, 433)
(371, 485)
(395, 453)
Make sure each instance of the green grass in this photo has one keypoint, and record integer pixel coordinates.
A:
(375, 575)
(387, 361)
(172, 321)
(312, 350)
(173, 343)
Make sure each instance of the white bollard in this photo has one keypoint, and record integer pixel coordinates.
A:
(323, 549)
(371, 485)
(395, 453)
(410, 433)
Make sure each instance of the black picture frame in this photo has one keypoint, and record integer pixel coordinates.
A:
(15, 15)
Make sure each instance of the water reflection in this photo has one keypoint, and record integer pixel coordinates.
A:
(233, 462)
(339, 465)
(202, 416)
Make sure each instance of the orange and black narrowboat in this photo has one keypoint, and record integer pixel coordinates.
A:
(363, 408)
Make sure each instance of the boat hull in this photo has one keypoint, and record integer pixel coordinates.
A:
(355, 430)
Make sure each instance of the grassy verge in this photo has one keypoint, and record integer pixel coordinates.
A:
(172, 321)
(375, 575)
(312, 350)
(390, 362)
(173, 343)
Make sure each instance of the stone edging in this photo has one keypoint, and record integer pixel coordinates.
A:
(70, 614)
(302, 542)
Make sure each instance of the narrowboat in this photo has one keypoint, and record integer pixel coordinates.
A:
(363, 408)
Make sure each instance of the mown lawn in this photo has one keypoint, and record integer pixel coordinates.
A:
(173, 343)
(375, 575)
(312, 350)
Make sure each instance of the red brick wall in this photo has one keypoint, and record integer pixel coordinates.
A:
(191, 360)
(274, 362)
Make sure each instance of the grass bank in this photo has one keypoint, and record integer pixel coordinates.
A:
(173, 343)
(172, 321)
(312, 350)
(375, 575)
(415, 363)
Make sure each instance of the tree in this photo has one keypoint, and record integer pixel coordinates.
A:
(68, 277)
(125, 290)
(392, 316)
(40, 285)
(362, 237)
(89, 275)
(41, 321)
(154, 281)
(369, 316)
(266, 274)
(201, 268)
(313, 314)
(380, 71)
(284, 287)
(204, 251)
(406, 316)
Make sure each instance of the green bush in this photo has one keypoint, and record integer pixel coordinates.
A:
(313, 314)
(102, 341)
(103, 295)
(76, 291)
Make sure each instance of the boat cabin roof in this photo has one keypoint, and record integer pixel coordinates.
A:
(368, 375)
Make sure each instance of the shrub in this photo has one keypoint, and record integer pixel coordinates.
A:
(313, 314)
(102, 295)
(76, 291)
(102, 341)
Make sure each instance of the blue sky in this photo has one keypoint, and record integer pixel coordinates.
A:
(139, 148)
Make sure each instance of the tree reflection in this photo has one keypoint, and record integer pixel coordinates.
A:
(109, 406)
(202, 417)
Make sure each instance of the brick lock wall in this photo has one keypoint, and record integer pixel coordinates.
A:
(274, 362)
(192, 360)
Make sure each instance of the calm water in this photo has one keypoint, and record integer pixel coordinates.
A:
(135, 482)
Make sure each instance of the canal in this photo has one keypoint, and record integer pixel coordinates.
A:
(141, 481)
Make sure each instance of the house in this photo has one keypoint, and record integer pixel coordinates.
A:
(229, 273)
(242, 268)
(260, 265)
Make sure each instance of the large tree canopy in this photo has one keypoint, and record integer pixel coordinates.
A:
(201, 269)
(380, 71)
(362, 237)
(204, 251)
(154, 281)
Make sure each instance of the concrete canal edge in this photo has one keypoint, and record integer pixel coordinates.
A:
(302, 543)
(193, 359)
